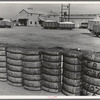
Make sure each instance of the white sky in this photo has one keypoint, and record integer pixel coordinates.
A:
(11, 10)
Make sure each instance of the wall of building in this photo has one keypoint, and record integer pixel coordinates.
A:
(78, 21)
(23, 15)
(30, 16)
(32, 19)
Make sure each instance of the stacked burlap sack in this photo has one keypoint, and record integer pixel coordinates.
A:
(3, 73)
(31, 69)
(72, 73)
(14, 65)
(51, 70)
(91, 74)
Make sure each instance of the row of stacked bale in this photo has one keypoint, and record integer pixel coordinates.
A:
(31, 69)
(3, 73)
(41, 70)
(14, 66)
(51, 24)
(91, 74)
(51, 70)
(72, 73)
(66, 25)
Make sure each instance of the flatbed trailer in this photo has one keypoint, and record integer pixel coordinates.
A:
(50, 24)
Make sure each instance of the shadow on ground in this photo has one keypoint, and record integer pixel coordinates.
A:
(87, 34)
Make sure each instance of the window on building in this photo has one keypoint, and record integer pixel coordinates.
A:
(30, 22)
(30, 14)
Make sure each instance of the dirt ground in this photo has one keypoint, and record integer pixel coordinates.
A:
(36, 36)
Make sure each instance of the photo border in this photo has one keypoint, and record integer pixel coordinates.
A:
(18, 97)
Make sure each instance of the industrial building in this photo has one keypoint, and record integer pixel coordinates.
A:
(27, 17)
(79, 18)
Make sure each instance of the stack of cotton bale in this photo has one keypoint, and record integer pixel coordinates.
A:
(72, 73)
(91, 74)
(14, 65)
(51, 70)
(3, 73)
(32, 69)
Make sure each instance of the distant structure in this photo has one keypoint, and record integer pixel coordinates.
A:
(80, 18)
(75, 18)
(65, 12)
(28, 17)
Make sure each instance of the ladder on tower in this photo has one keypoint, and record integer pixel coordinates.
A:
(65, 12)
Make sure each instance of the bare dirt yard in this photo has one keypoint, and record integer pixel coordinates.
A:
(36, 36)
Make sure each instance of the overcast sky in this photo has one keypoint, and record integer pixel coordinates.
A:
(12, 10)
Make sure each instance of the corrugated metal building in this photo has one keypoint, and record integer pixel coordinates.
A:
(79, 18)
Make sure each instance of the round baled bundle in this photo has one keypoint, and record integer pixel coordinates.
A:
(3, 73)
(87, 93)
(72, 74)
(88, 87)
(51, 70)
(32, 69)
(14, 65)
(91, 74)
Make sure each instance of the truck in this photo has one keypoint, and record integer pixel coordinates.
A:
(84, 25)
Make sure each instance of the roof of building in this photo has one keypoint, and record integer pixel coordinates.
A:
(82, 16)
(32, 12)
(27, 10)
(51, 13)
